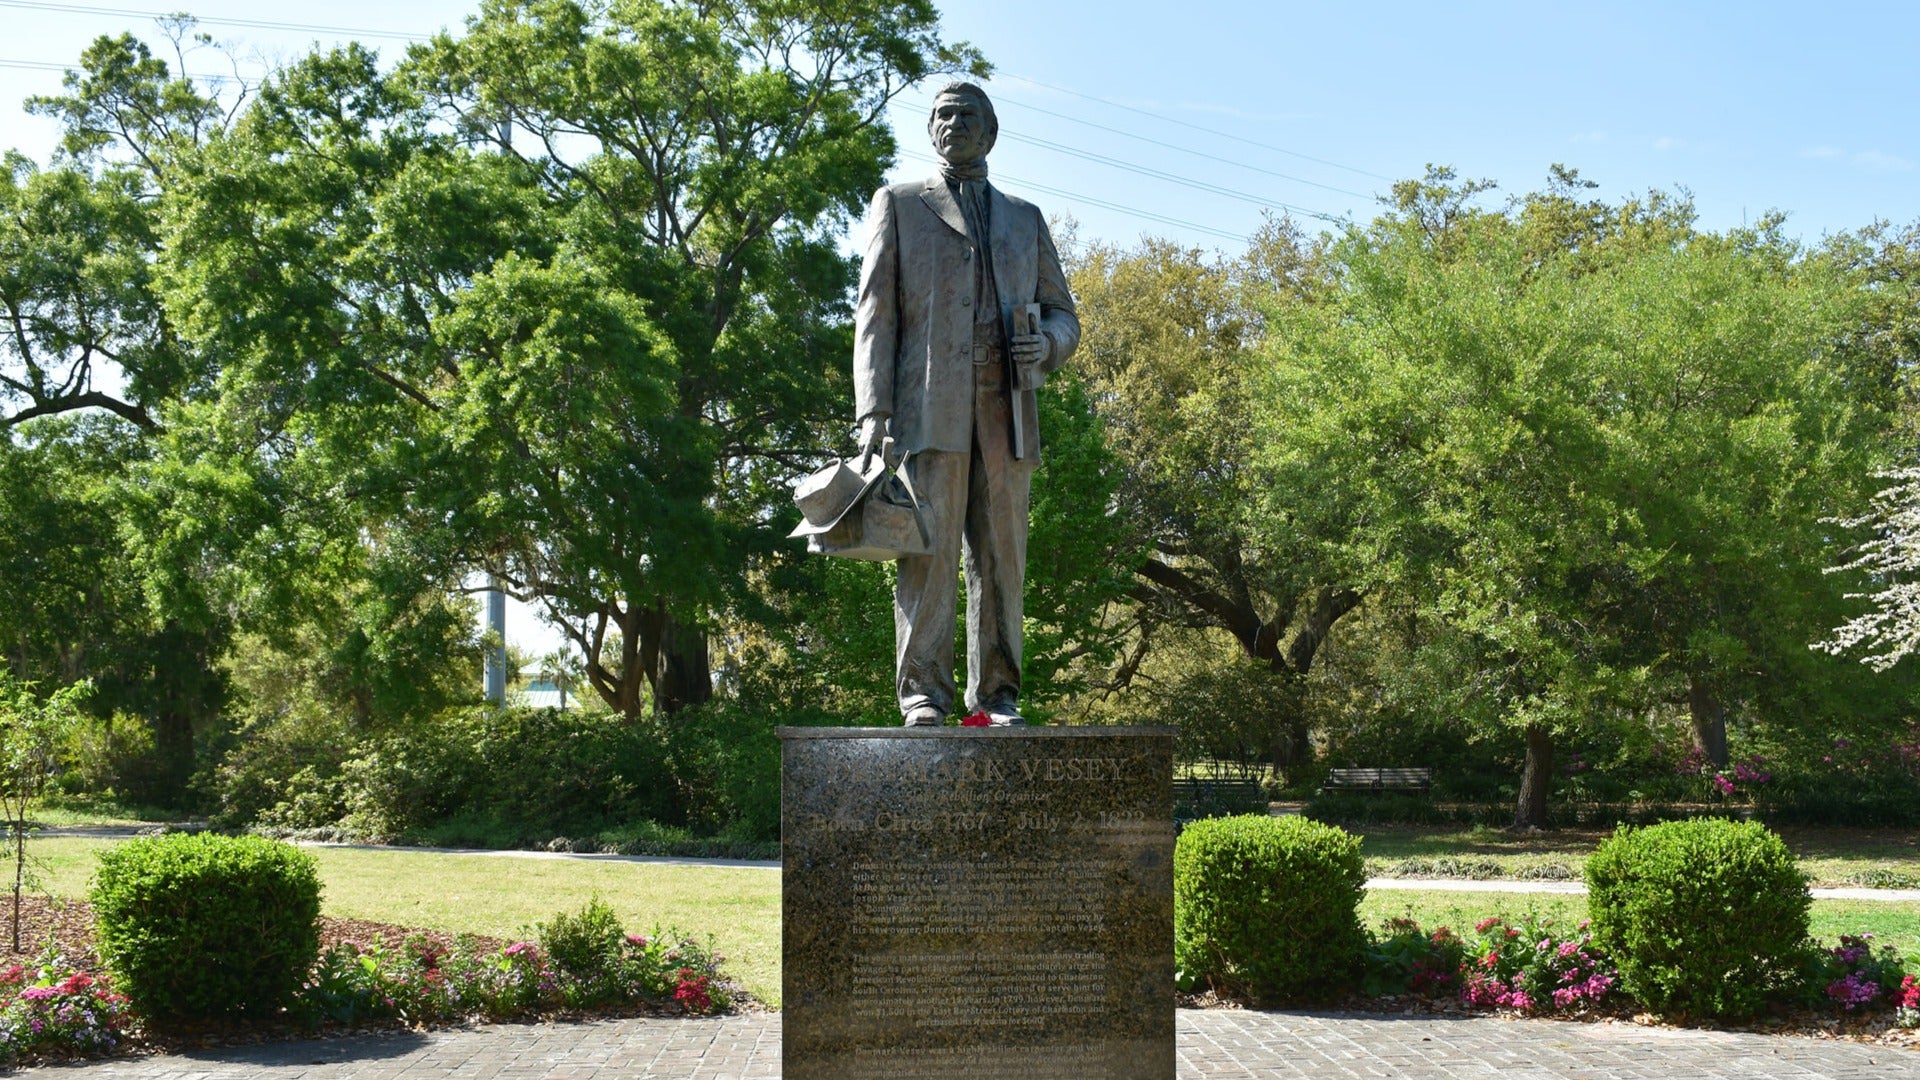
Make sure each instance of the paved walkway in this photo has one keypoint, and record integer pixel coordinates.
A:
(1215, 1045)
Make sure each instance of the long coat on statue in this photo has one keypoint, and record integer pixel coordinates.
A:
(913, 338)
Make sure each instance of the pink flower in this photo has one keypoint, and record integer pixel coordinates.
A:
(1851, 992)
(978, 719)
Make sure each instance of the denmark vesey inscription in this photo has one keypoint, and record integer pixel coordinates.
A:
(978, 902)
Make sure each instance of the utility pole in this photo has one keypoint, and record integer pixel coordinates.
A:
(497, 647)
(496, 667)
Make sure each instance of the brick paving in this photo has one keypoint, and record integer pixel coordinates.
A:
(1214, 1044)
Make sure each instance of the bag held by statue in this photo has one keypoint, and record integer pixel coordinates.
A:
(873, 516)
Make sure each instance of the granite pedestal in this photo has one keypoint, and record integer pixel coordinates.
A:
(977, 902)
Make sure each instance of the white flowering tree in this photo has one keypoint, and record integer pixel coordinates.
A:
(1891, 558)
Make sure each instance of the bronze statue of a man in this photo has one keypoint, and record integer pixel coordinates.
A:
(963, 312)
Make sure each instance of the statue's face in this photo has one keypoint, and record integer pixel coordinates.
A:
(959, 128)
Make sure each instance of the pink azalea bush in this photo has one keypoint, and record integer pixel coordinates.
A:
(1525, 967)
(53, 1011)
(1859, 976)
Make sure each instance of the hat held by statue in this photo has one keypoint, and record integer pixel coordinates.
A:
(872, 515)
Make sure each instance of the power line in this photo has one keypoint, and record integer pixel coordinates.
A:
(45, 65)
(1142, 170)
(1196, 127)
(1132, 211)
(263, 24)
(250, 24)
(395, 35)
(1184, 181)
(1000, 99)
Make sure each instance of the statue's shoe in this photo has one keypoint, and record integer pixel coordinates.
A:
(925, 716)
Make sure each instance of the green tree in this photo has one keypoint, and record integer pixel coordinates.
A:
(84, 327)
(1169, 362)
(32, 729)
(154, 540)
(1589, 444)
(89, 367)
(74, 602)
(559, 298)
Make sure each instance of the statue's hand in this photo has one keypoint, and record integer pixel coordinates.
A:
(873, 432)
(1031, 348)
(1030, 352)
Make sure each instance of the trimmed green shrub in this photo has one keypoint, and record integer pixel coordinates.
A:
(197, 926)
(1706, 917)
(534, 773)
(1267, 908)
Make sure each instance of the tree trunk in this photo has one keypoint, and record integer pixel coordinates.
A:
(674, 657)
(1292, 748)
(686, 672)
(1292, 742)
(1709, 721)
(1536, 782)
(617, 684)
(173, 750)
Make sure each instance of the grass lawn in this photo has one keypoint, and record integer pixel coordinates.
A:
(739, 908)
(1874, 857)
(1892, 924)
(498, 895)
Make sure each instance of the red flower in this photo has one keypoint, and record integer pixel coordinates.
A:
(978, 719)
(692, 993)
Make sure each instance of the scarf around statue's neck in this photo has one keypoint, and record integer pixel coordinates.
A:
(958, 172)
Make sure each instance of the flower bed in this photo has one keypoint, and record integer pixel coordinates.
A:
(49, 1011)
(370, 975)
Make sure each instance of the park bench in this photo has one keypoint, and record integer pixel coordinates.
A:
(1378, 780)
(1194, 796)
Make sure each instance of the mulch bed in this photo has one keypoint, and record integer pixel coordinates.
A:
(1876, 1028)
(68, 925)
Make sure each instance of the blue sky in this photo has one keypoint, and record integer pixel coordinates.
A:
(1318, 107)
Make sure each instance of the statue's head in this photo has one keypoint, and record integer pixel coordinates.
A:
(962, 125)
